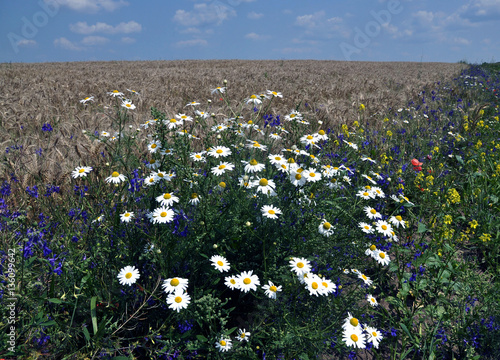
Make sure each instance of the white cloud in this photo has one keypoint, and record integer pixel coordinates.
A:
(215, 13)
(193, 42)
(66, 44)
(461, 41)
(190, 30)
(128, 40)
(254, 36)
(26, 43)
(91, 5)
(254, 16)
(310, 21)
(94, 40)
(121, 28)
(480, 10)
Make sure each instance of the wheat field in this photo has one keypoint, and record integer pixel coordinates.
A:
(35, 94)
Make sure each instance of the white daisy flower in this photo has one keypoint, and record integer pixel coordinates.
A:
(81, 171)
(382, 257)
(397, 220)
(254, 99)
(162, 215)
(374, 336)
(126, 216)
(127, 104)
(243, 335)
(294, 115)
(296, 178)
(276, 160)
(178, 300)
(372, 213)
(128, 275)
(154, 146)
(256, 145)
(224, 344)
(115, 178)
(271, 290)
(274, 93)
(311, 175)
(219, 151)
(198, 156)
(175, 284)
(253, 166)
(115, 93)
(219, 90)
(231, 282)
(246, 281)
(365, 278)
(354, 337)
(300, 265)
(87, 99)
(366, 158)
(371, 300)
(352, 145)
(194, 199)
(222, 168)
(327, 286)
(264, 186)
(378, 192)
(313, 284)
(167, 199)
(183, 117)
(153, 164)
(325, 228)
(193, 103)
(220, 263)
(270, 211)
(202, 114)
(369, 178)
(151, 180)
(365, 194)
(384, 228)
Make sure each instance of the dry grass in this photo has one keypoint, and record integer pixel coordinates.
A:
(34, 94)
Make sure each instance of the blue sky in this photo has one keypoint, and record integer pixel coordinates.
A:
(364, 30)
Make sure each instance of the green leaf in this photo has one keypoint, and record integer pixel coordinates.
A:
(48, 323)
(201, 338)
(230, 331)
(405, 329)
(459, 159)
(120, 358)
(55, 301)
(421, 228)
(86, 334)
(93, 313)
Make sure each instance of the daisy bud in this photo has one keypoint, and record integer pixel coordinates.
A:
(215, 246)
(84, 131)
(246, 177)
(209, 101)
(320, 122)
(107, 164)
(212, 115)
(219, 137)
(225, 81)
(248, 223)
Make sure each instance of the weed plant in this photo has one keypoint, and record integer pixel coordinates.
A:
(243, 234)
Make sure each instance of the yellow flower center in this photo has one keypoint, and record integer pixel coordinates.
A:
(314, 285)
(399, 218)
(194, 195)
(115, 91)
(373, 247)
(163, 214)
(115, 174)
(309, 137)
(220, 263)
(222, 184)
(298, 177)
(167, 196)
(178, 299)
(382, 255)
(127, 214)
(219, 151)
(291, 161)
(183, 117)
(81, 171)
(254, 162)
(374, 334)
(292, 115)
(321, 132)
(312, 174)
(364, 277)
(372, 300)
(325, 284)
(354, 338)
(365, 194)
(151, 180)
(128, 275)
(272, 212)
(253, 97)
(275, 93)
(222, 342)
(373, 211)
(153, 146)
(263, 182)
(273, 289)
(128, 105)
(222, 167)
(232, 281)
(367, 227)
(327, 225)
(384, 227)
(174, 282)
(300, 265)
(354, 322)
(247, 281)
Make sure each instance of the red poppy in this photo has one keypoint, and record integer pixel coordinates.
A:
(415, 162)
